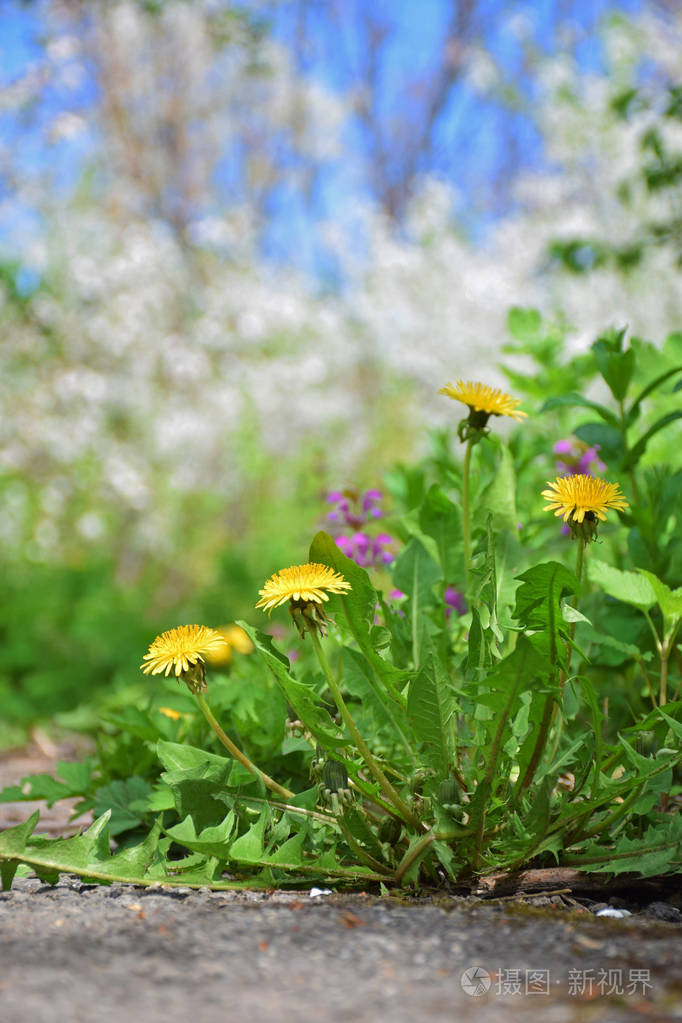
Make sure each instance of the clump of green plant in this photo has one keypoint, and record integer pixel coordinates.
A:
(406, 744)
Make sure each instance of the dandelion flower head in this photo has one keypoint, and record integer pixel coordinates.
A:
(181, 648)
(309, 583)
(577, 497)
(490, 401)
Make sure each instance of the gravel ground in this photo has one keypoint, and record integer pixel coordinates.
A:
(80, 954)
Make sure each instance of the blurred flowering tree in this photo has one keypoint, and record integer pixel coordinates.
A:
(162, 368)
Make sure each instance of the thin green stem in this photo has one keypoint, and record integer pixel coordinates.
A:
(466, 523)
(667, 646)
(529, 773)
(384, 784)
(550, 710)
(362, 854)
(412, 854)
(237, 753)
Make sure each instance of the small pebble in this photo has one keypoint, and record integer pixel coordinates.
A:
(663, 911)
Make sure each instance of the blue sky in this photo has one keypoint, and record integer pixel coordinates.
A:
(470, 135)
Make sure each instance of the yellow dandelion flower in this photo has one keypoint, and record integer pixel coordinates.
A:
(306, 587)
(180, 649)
(582, 501)
(579, 496)
(306, 583)
(235, 640)
(487, 401)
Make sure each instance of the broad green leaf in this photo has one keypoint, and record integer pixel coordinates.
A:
(357, 825)
(538, 603)
(301, 697)
(196, 787)
(360, 601)
(360, 681)
(416, 572)
(669, 601)
(616, 367)
(118, 796)
(609, 439)
(629, 587)
(499, 497)
(441, 519)
(249, 847)
(431, 708)
(177, 756)
(38, 786)
(212, 841)
(289, 855)
(577, 400)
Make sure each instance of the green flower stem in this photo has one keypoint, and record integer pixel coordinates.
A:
(667, 646)
(362, 854)
(466, 524)
(579, 565)
(545, 721)
(384, 784)
(237, 753)
(486, 783)
(550, 709)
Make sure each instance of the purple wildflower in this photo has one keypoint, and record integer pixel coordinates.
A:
(353, 507)
(454, 601)
(354, 510)
(578, 458)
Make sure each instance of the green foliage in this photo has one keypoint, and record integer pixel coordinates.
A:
(539, 723)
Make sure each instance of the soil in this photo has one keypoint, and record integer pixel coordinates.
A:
(77, 953)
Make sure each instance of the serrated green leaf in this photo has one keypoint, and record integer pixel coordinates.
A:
(13, 840)
(431, 708)
(360, 681)
(301, 696)
(118, 796)
(248, 848)
(289, 856)
(538, 604)
(211, 841)
(657, 852)
(358, 608)
(37, 786)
